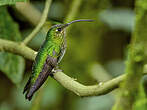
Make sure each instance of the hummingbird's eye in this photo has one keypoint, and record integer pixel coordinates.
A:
(58, 29)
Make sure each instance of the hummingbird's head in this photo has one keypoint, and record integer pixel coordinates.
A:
(57, 32)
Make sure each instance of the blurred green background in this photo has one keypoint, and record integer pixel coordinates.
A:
(96, 52)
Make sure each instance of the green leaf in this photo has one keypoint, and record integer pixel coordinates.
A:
(10, 2)
(10, 64)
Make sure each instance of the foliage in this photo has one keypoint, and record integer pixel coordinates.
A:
(10, 2)
(96, 52)
(11, 65)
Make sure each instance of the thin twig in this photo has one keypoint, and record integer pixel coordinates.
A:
(73, 10)
(41, 23)
(29, 12)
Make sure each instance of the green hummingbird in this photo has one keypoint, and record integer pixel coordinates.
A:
(49, 56)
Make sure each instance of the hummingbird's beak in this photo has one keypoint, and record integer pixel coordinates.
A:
(88, 20)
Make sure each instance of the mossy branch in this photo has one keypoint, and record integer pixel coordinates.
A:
(66, 81)
(136, 59)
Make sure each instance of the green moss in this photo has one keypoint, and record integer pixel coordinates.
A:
(135, 62)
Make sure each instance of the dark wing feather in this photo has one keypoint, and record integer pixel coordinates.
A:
(27, 86)
(47, 68)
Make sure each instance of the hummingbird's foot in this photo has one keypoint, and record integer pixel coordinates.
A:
(55, 70)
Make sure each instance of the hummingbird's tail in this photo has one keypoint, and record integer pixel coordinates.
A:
(30, 93)
(27, 89)
(38, 83)
(27, 86)
(32, 88)
(33, 85)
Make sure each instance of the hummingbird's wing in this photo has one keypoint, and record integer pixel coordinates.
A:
(49, 64)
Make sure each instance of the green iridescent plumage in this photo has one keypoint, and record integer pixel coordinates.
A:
(48, 57)
(52, 47)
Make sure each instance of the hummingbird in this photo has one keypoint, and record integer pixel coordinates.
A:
(48, 57)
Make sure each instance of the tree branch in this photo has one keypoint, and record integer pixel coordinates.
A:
(84, 91)
(29, 12)
(66, 81)
(130, 88)
(41, 23)
(17, 48)
(73, 10)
